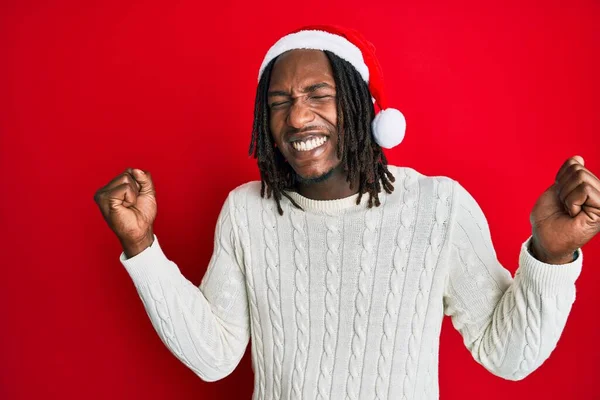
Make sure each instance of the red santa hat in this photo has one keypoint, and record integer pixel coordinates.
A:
(389, 124)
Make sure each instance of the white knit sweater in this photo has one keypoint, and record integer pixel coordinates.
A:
(346, 302)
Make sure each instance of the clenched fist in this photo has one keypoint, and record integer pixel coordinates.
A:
(567, 215)
(128, 204)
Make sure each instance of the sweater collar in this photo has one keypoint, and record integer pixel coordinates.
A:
(345, 203)
(329, 205)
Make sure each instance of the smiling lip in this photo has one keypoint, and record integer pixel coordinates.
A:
(306, 149)
(306, 135)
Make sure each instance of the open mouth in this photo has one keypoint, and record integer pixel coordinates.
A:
(309, 143)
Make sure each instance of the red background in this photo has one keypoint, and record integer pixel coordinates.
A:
(496, 96)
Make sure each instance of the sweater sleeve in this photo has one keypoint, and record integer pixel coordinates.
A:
(510, 325)
(206, 327)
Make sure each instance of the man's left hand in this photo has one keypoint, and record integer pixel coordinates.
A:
(567, 214)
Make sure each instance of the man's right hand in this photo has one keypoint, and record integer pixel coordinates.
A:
(128, 204)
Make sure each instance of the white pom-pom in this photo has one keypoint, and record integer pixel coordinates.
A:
(389, 126)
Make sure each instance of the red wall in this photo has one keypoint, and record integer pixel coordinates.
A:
(496, 96)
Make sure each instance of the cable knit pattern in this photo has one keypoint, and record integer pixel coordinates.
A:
(242, 216)
(531, 338)
(300, 300)
(166, 324)
(168, 331)
(368, 257)
(271, 246)
(404, 238)
(337, 308)
(332, 282)
(436, 239)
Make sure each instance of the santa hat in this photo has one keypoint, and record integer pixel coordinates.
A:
(389, 124)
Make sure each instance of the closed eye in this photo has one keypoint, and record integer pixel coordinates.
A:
(278, 104)
(327, 96)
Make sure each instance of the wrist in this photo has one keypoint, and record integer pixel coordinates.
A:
(132, 249)
(541, 255)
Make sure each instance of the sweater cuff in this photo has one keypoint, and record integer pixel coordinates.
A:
(149, 265)
(547, 279)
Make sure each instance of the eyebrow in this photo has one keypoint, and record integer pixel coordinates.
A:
(307, 89)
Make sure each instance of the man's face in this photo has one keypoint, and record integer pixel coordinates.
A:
(303, 112)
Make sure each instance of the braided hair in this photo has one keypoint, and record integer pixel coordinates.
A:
(362, 158)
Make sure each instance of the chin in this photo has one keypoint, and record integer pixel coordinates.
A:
(314, 177)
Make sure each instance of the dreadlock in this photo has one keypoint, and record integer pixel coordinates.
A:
(361, 156)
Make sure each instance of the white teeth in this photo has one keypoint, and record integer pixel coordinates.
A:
(309, 144)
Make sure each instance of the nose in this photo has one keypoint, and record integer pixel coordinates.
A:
(299, 114)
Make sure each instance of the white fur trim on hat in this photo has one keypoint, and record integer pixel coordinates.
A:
(318, 40)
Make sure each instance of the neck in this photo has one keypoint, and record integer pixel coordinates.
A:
(334, 187)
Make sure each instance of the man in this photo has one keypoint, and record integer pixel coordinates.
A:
(339, 266)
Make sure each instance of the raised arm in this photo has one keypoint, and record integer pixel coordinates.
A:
(510, 326)
(206, 327)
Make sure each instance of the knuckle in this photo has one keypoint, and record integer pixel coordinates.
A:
(121, 188)
(570, 173)
(586, 188)
(580, 174)
(573, 167)
(570, 161)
